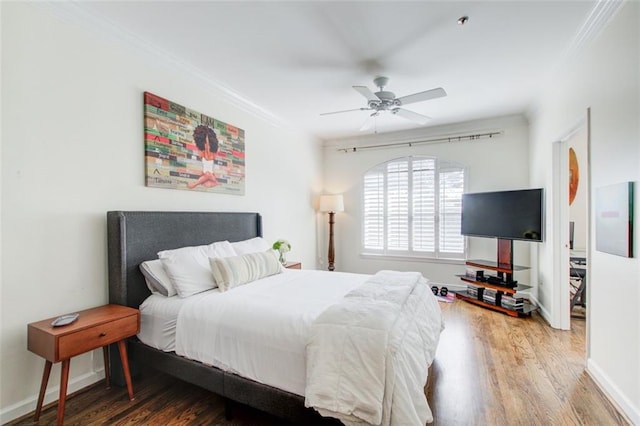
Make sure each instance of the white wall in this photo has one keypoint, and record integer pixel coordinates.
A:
(491, 164)
(72, 149)
(604, 76)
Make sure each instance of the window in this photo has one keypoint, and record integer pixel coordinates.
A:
(412, 207)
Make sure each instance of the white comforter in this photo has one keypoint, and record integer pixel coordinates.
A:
(367, 356)
(260, 330)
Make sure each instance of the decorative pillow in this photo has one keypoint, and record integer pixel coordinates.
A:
(252, 245)
(231, 272)
(188, 267)
(156, 277)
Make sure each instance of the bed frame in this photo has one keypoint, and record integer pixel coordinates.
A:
(136, 236)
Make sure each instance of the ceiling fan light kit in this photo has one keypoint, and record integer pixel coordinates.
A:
(384, 100)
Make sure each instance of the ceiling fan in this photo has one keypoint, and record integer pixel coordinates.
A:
(383, 100)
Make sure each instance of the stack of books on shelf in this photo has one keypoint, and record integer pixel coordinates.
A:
(513, 302)
(475, 291)
(491, 296)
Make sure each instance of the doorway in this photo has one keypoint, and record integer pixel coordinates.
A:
(578, 223)
(571, 218)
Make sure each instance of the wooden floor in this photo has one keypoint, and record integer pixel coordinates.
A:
(490, 369)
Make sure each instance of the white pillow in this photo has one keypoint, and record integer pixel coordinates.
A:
(252, 245)
(188, 267)
(156, 277)
(231, 272)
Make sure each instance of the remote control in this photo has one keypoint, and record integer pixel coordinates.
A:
(64, 320)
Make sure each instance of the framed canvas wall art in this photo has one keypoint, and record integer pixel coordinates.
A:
(188, 150)
(614, 219)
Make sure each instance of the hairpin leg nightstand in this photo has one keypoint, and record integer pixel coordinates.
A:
(95, 328)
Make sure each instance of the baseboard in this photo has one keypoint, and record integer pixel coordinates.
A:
(617, 398)
(541, 309)
(28, 405)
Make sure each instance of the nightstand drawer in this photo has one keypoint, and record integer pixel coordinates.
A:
(96, 336)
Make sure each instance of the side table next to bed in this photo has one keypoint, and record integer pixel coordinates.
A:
(293, 265)
(94, 328)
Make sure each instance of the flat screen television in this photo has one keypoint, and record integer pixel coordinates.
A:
(510, 215)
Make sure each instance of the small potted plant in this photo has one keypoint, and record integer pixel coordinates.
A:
(283, 246)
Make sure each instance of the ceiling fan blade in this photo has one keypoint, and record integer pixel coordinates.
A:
(346, 110)
(367, 93)
(422, 96)
(410, 115)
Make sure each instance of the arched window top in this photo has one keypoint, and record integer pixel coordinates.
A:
(441, 164)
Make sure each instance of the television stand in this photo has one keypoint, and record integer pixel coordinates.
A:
(498, 292)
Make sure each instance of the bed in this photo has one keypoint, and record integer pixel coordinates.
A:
(134, 237)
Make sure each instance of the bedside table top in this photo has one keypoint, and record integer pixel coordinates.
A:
(293, 265)
(88, 318)
(94, 328)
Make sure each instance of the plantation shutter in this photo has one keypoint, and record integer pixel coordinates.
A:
(424, 205)
(451, 189)
(374, 210)
(412, 207)
(398, 205)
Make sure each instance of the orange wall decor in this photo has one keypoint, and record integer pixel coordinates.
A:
(574, 175)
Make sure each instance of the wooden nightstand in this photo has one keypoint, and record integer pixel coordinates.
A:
(293, 265)
(94, 328)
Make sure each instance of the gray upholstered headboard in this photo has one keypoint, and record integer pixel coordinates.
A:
(136, 236)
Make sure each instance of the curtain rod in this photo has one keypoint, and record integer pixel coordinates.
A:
(444, 139)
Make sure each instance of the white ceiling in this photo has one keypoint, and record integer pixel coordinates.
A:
(299, 59)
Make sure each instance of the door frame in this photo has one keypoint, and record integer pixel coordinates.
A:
(560, 216)
(560, 238)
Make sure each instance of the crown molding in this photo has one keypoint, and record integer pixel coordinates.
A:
(599, 17)
(109, 31)
(601, 14)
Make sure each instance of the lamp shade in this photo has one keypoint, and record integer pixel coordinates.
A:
(331, 203)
